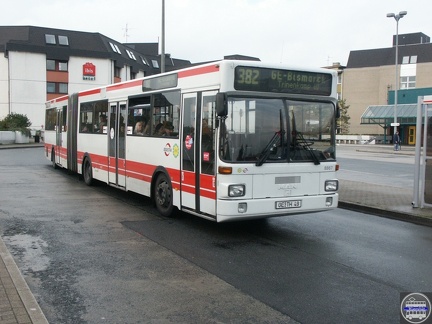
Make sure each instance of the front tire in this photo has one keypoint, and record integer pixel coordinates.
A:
(87, 172)
(163, 195)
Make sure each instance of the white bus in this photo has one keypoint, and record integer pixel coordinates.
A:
(229, 140)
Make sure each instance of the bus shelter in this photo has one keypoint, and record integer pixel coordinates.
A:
(423, 154)
(383, 115)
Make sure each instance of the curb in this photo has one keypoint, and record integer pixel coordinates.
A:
(386, 213)
(31, 305)
(18, 146)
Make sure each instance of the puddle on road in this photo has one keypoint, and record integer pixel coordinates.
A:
(30, 250)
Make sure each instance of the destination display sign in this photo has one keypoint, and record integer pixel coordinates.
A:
(283, 81)
(162, 82)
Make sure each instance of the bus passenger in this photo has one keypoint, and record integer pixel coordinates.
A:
(102, 123)
(168, 127)
(159, 130)
(164, 129)
(139, 128)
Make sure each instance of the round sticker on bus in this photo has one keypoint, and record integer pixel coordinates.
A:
(188, 142)
(112, 133)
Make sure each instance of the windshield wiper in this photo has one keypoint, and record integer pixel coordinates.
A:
(268, 149)
(301, 141)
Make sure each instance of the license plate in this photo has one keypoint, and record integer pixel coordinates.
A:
(288, 204)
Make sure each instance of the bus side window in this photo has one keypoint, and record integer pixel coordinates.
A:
(166, 111)
(138, 118)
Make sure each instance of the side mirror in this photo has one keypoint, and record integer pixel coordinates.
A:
(221, 104)
(338, 111)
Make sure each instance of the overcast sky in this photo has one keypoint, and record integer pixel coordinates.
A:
(300, 32)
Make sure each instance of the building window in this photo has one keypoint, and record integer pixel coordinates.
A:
(155, 64)
(62, 66)
(51, 65)
(63, 88)
(131, 55)
(408, 82)
(51, 87)
(50, 39)
(63, 40)
(117, 72)
(144, 60)
(409, 59)
(54, 87)
(115, 48)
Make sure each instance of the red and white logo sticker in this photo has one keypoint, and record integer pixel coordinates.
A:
(167, 149)
(188, 142)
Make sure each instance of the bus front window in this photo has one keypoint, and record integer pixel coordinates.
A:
(277, 130)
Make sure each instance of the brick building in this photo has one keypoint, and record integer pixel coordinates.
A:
(369, 83)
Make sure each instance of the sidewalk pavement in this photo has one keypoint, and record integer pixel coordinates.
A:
(18, 305)
(381, 200)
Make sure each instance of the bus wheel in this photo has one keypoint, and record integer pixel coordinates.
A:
(54, 164)
(87, 172)
(163, 195)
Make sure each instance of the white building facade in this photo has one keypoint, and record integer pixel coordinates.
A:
(39, 64)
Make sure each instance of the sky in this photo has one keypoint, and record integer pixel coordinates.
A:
(311, 33)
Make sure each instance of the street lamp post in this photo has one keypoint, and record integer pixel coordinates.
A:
(396, 17)
(163, 38)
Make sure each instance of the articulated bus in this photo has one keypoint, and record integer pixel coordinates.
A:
(229, 140)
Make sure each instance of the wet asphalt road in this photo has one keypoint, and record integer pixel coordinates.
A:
(99, 255)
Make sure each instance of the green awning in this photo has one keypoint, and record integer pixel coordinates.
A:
(384, 115)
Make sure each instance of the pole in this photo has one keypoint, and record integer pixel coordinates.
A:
(163, 38)
(397, 79)
(417, 163)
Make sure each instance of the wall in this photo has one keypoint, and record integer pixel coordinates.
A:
(11, 137)
(4, 86)
(104, 73)
(28, 86)
(424, 73)
(364, 87)
(370, 86)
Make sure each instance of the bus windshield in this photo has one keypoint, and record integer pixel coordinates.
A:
(262, 131)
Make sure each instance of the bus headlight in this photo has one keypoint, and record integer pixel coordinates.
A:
(331, 185)
(237, 190)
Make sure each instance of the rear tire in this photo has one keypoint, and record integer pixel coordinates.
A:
(87, 172)
(163, 195)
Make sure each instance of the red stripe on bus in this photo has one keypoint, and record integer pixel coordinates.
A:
(198, 71)
(207, 186)
(188, 188)
(208, 194)
(58, 99)
(89, 92)
(144, 172)
(126, 85)
(136, 170)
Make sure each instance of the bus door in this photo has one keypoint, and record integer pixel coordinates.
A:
(59, 131)
(198, 180)
(117, 144)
